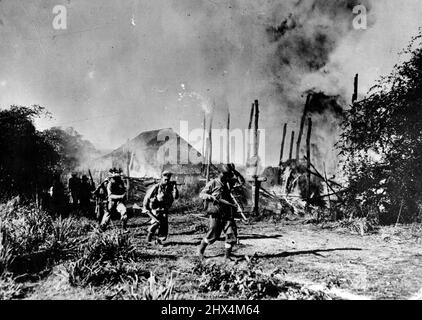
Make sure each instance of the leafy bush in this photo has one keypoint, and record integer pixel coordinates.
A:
(142, 288)
(26, 229)
(382, 145)
(31, 239)
(249, 282)
(244, 282)
(106, 258)
(9, 289)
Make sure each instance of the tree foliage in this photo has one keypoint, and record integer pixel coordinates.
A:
(29, 159)
(71, 148)
(382, 144)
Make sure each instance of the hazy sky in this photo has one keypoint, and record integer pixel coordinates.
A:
(123, 67)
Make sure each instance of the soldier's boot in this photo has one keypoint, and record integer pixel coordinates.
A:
(149, 237)
(201, 249)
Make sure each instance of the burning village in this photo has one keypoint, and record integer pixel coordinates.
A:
(210, 150)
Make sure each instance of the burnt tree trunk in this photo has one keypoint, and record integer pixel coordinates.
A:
(209, 150)
(228, 138)
(302, 125)
(280, 163)
(291, 145)
(308, 164)
(248, 135)
(256, 149)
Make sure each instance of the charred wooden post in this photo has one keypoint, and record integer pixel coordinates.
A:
(256, 137)
(209, 150)
(248, 142)
(355, 90)
(291, 145)
(302, 125)
(228, 138)
(257, 182)
(282, 144)
(204, 125)
(128, 174)
(308, 164)
(280, 163)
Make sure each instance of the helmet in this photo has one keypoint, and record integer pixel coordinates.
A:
(166, 173)
(226, 169)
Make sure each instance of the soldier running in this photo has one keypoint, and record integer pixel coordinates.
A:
(158, 201)
(116, 191)
(101, 197)
(220, 208)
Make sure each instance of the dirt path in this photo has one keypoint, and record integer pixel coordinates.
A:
(386, 265)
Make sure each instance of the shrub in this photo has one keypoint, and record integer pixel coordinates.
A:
(9, 289)
(106, 258)
(142, 288)
(249, 282)
(31, 240)
(382, 145)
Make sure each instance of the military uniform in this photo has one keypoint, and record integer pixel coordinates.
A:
(74, 188)
(116, 191)
(221, 216)
(57, 194)
(158, 201)
(101, 197)
(85, 194)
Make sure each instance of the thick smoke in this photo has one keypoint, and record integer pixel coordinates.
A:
(277, 52)
(121, 65)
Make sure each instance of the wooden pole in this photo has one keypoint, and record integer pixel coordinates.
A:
(128, 174)
(256, 137)
(355, 91)
(282, 144)
(280, 163)
(257, 183)
(209, 149)
(302, 125)
(248, 142)
(308, 164)
(228, 138)
(204, 124)
(291, 145)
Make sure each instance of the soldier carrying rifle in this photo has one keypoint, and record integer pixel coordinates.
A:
(116, 192)
(157, 203)
(221, 209)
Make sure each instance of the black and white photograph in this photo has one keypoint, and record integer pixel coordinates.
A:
(234, 152)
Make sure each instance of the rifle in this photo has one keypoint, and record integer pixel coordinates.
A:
(154, 181)
(90, 177)
(149, 213)
(221, 201)
(239, 208)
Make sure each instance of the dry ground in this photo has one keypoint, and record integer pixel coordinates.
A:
(383, 265)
